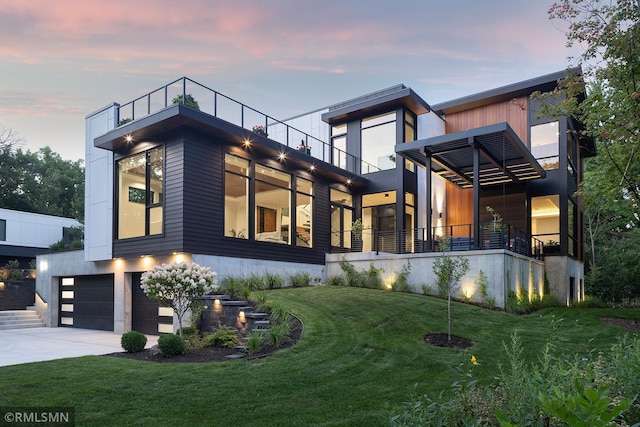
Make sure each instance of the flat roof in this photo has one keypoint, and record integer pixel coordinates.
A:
(503, 156)
(544, 83)
(376, 102)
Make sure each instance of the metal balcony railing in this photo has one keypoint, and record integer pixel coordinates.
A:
(195, 95)
(458, 238)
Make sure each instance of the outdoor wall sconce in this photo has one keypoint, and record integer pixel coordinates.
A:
(241, 318)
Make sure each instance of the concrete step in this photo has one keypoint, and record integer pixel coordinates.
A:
(260, 330)
(257, 315)
(261, 323)
(19, 319)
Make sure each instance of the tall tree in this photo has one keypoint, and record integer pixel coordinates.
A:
(40, 182)
(609, 33)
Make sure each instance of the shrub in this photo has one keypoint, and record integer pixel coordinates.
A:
(224, 336)
(256, 283)
(133, 342)
(187, 331)
(483, 283)
(589, 302)
(273, 281)
(171, 345)
(336, 281)
(300, 280)
(402, 283)
(254, 342)
(232, 285)
(278, 332)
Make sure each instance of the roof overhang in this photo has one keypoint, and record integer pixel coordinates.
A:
(375, 103)
(153, 128)
(503, 157)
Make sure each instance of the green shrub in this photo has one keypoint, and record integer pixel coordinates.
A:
(256, 283)
(482, 283)
(589, 302)
(171, 345)
(232, 285)
(402, 283)
(224, 336)
(187, 331)
(278, 332)
(300, 280)
(133, 342)
(273, 281)
(254, 342)
(336, 281)
(57, 246)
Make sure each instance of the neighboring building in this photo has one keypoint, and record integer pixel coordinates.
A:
(23, 235)
(233, 189)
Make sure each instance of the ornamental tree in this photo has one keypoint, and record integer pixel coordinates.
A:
(449, 270)
(178, 285)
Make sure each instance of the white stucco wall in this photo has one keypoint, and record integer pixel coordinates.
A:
(32, 229)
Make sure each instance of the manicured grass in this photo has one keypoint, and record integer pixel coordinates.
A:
(361, 349)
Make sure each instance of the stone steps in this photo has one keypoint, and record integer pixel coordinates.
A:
(20, 319)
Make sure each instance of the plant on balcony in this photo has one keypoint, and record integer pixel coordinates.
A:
(356, 228)
(304, 148)
(496, 222)
(187, 100)
(260, 130)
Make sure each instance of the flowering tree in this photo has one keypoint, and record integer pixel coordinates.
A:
(178, 285)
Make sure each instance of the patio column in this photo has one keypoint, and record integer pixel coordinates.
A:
(476, 193)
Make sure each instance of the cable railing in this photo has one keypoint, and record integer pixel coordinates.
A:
(451, 238)
(195, 95)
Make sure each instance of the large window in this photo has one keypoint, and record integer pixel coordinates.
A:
(3, 230)
(545, 221)
(378, 142)
(236, 197)
(341, 218)
(140, 192)
(273, 203)
(304, 212)
(339, 146)
(545, 143)
(410, 134)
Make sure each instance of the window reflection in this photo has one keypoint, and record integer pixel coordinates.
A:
(545, 144)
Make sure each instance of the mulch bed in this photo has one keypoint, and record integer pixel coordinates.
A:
(214, 354)
(442, 340)
(631, 324)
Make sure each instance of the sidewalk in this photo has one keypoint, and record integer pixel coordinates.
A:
(39, 344)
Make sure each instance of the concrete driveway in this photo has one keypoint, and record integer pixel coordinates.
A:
(39, 344)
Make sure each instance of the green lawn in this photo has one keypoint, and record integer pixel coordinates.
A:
(361, 349)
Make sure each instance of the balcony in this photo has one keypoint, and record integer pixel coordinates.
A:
(459, 238)
(260, 126)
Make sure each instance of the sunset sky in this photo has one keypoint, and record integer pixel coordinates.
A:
(61, 60)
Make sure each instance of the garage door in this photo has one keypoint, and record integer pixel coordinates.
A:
(147, 316)
(87, 302)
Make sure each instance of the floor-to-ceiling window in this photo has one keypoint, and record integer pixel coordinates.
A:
(341, 218)
(339, 146)
(379, 214)
(410, 133)
(545, 221)
(273, 205)
(545, 144)
(269, 194)
(304, 212)
(378, 139)
(139, 194)
(236, 197)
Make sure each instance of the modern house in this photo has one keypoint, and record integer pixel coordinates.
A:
(185, 172)
(23, 235)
